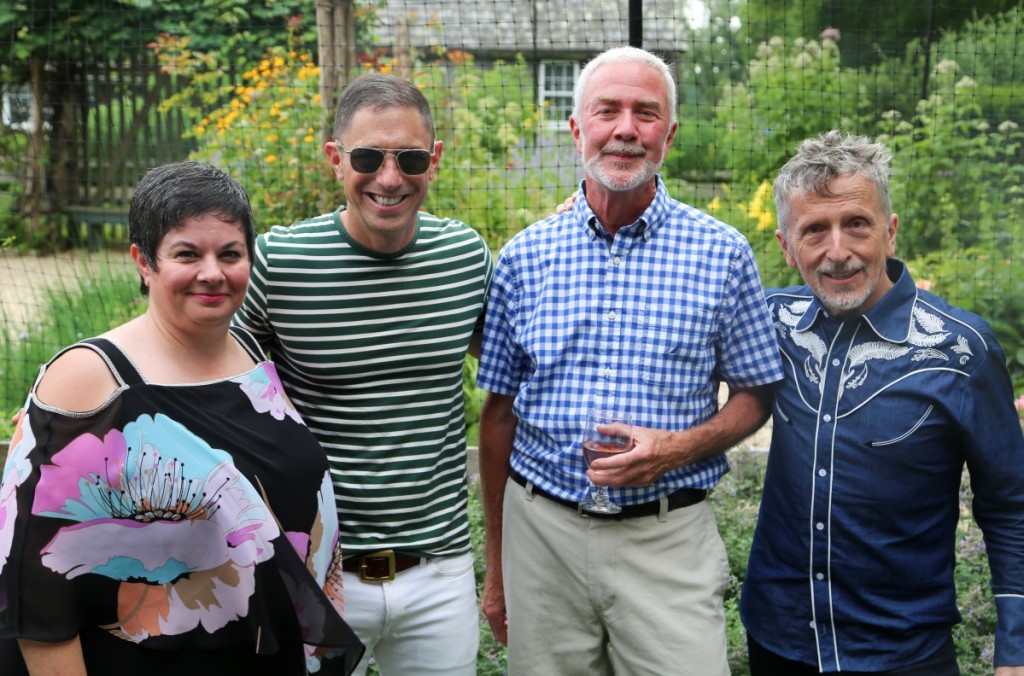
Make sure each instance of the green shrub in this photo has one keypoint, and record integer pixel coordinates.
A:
(93, 304)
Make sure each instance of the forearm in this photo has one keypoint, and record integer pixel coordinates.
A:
(743, 413)
(656, 452)
(53, 659)
(497, 433)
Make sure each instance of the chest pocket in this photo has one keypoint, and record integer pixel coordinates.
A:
(676, 348)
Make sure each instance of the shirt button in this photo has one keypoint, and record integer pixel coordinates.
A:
(608, 372)
(811, 624)
(819, 526)
(820, 576)
(617, 261)
(827, 418)
(822, 472)
(612, 315)
(835, 362)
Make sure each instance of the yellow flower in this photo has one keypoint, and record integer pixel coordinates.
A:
(271, 159)
(272, 138)
(715, 205)
(308, 139)
(757, 208)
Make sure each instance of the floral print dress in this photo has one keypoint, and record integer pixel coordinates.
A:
(175, 529)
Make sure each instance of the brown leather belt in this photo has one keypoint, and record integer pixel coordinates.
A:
(684, 497)
(380, 566)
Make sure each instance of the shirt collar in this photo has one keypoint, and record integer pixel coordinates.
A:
(890, 318)
(645, 226)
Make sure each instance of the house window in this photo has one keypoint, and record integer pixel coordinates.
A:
(557, 79)
(14, 106)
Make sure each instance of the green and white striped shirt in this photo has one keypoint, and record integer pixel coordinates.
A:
(370, 349)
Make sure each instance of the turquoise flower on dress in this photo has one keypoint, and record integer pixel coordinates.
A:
(158, 509)
(265, 391)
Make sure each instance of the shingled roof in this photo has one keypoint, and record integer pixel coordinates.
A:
(496, 27)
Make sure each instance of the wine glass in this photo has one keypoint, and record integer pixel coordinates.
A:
(598, 443)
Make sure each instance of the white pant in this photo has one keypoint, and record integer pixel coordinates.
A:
(425, 621)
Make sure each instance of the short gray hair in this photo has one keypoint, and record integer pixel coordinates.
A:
(378, 91)
(618, 55)
(821, 159)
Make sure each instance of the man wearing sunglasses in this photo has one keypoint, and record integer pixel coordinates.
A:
(368, 313)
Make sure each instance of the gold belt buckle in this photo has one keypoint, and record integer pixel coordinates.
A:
(387, 555)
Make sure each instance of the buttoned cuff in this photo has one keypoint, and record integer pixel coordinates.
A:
(1009, 631)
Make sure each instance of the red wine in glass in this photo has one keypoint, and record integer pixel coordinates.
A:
(601, 441)
(592, 450)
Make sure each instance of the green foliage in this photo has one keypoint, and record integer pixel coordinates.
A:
(736, 502)
(487, 119)
(984, 45)
(988, 282)
(62, 29)
(491, 656)
(265, 132)
(975, 635)
(957, 181)
(793, 91)
(83, 308)
(12, 149)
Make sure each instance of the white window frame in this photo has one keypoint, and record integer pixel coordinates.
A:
(553, 86)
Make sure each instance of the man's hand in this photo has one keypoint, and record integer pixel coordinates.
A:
(567, 204)
(642, 465)
(492, 604)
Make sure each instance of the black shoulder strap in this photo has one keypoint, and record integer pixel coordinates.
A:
(118, 362)
(248, 341)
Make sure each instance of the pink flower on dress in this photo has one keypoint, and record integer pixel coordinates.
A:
(16, 470)
(265, 391)
(170, 517)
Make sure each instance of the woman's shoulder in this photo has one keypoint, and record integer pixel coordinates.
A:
(78, 380)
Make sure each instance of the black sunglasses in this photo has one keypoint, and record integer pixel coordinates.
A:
(412, 161)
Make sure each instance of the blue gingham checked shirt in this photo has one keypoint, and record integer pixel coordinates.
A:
(648, 323)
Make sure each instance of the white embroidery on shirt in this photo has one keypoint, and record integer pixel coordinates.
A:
(860, 355)
(963, 349)
(926, 332)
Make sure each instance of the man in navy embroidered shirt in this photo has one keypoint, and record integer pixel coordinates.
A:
(889, 390)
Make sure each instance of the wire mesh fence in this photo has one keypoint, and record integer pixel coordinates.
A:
(95, 93)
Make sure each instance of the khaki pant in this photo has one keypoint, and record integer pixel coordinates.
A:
(593, 596)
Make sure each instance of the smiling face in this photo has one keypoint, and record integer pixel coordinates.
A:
(840, 242)
(625, 125)
(381, 206)
(201, 273)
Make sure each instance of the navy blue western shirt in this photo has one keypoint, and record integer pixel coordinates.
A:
(852, 563)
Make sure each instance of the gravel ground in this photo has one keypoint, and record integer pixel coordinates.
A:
(25, 277)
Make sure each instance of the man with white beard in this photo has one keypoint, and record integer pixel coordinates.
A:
(636, 302)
